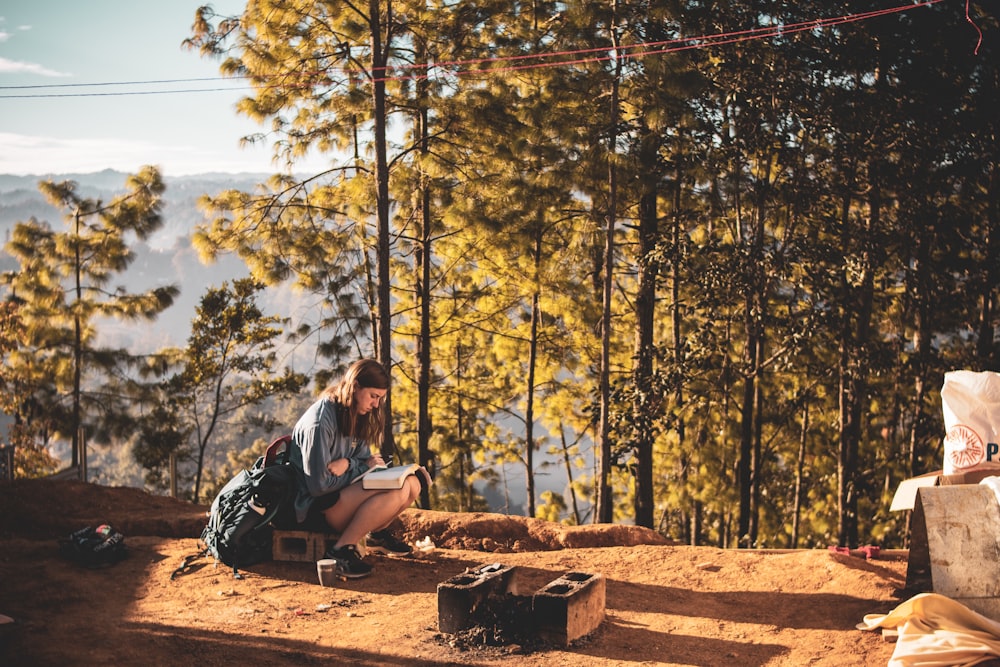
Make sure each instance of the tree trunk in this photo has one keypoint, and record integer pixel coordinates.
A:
(985, 346)
(644, 404)
(745, 463)
(529, 412)
(568, 465)
(757, 464)
(800, 464)
(77, 348)
(847, 445)
(422, 257)
(921, 348)
(465, 463)
(854, 368)
(684, 462)
(605, 506)
(383, 346)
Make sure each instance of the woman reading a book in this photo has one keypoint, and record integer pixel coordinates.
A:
(332, 445)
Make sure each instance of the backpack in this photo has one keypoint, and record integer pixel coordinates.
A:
(94, 547)
(239, 530)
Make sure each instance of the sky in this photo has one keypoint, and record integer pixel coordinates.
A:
(69, 129)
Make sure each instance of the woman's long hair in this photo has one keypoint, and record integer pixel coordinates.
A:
(362, 374)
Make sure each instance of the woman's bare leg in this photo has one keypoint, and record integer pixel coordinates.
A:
(360, 511)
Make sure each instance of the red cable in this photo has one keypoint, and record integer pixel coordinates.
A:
(649, 48)
(980, 32)
(685, 44)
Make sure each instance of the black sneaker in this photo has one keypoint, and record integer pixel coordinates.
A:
(384, 542)
(349, 563)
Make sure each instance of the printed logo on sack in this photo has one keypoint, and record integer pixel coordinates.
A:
(965, 447)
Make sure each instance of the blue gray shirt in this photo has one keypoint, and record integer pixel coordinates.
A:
(318, 441)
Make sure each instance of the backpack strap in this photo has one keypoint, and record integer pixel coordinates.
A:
(277, 445)
(186, 566)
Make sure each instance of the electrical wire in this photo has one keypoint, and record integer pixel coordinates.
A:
(129, 93)
(490, 65)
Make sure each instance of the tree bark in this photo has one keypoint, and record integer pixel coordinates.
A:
(644, 404)
(422, 257)
(383, 330)
(605, 506)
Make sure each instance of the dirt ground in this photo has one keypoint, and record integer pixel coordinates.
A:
(666, 604)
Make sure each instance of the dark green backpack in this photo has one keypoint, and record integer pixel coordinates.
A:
(239, 530)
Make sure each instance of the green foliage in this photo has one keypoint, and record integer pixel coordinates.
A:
(31, 459)
(61, 289)
(161, 438)
(229, 366)
(553, 507)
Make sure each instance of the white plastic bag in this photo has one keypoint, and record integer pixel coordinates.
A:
(971, 405)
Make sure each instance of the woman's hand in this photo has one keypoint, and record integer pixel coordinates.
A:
(375, 460)
(338, 467)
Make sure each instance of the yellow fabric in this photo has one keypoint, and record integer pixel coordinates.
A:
(936, 631)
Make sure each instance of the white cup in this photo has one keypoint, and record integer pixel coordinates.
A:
(326, 569)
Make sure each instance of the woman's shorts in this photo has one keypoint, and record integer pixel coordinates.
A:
(315, 521)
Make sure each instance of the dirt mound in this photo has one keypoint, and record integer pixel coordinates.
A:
(49, 508)
(498, 533)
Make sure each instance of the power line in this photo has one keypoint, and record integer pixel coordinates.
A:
(654, 48)
(675, 45)
(124, 93)
(111, 83)
(488, 65)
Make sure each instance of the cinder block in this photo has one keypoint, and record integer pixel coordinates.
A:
(304, 546)
(294, 545)
(569, 607)
(460, 596)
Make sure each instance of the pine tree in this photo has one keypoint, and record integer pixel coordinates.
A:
(64, 286)
(228, 365)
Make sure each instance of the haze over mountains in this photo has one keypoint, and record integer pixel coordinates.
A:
(166, 258)
(20, 198)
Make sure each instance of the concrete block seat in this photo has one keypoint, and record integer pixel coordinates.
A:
(300, 545)
(301, 542)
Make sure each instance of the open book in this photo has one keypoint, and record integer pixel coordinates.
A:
(382, 477)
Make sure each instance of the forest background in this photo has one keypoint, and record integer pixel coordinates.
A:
(711, 259)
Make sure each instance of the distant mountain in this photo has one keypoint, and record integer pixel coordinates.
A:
(109, 179)
(166, 258)
(112, 180)
(21, 200)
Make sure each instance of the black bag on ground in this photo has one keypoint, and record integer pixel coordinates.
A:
(239, 529)
(94, 547)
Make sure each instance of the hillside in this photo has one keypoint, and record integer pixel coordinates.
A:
(666, 604)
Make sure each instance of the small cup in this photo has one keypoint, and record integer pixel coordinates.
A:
(326, 569)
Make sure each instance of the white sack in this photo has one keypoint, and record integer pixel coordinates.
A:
(971, 405)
